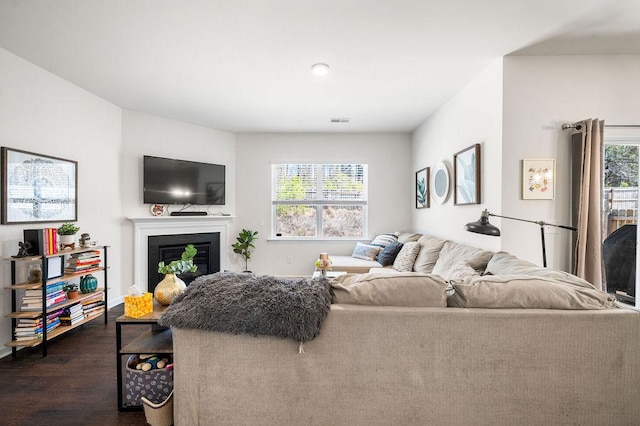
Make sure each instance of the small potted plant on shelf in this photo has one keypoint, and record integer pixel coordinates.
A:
(71, 289)
(244, 245)
(67, 232)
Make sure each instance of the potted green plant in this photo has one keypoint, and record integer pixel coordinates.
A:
(171, 285)
(67, 232)
(244, 245)
(71, 289)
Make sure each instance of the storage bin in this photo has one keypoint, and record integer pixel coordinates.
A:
(154, 385)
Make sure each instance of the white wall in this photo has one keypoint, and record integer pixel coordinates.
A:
(144, 134)
(390, 190)
(473, 115)
(541, 93)
(42, 113)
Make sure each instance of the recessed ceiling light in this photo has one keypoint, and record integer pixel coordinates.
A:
(320, 68)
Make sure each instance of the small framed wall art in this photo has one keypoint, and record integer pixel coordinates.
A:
(440, 183)
(538, 179)
(466, 174)
(422, 188)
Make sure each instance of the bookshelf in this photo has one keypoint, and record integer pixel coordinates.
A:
(43, 312)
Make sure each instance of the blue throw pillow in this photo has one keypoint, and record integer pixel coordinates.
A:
(388, 255)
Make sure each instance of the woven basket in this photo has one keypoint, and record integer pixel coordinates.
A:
(159, 414)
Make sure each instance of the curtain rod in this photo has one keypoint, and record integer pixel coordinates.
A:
(577, 126)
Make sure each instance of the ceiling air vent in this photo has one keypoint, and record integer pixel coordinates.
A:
(340, 120)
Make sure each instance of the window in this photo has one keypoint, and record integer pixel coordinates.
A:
(319, 200)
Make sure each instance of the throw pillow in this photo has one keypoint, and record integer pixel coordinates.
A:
(526, 291)
(503, 263)
(460, 271)
(429, 252)
(365, 251)
(407, 257)
(388, 255)
(384, 240)
(399, 289)
(453, 253)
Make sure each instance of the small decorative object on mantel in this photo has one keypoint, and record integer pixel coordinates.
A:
(172, 285)
(158, 209)
(323, 264)
(67, 232)
(244, 245)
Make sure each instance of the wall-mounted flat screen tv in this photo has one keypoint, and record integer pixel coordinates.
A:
(171, 181)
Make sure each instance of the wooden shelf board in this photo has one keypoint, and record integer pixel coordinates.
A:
(150, 342)
(24, 314)
(24, 286)
(61, 329)
(60, 253)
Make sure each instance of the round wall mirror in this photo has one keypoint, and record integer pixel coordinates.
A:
(440, 183)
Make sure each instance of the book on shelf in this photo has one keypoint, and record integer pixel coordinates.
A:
(53, 288)
(37, 303)
(85, 254)
(94, 310)
(75, 271)
(74, 261)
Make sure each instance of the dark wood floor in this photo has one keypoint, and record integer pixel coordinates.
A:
(75, 384)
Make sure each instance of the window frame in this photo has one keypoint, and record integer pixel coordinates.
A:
(320, 203)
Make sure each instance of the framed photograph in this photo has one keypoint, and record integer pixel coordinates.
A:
(38, 188)
(422, 188)
(466, 175)
(538, 179)
(55, 267)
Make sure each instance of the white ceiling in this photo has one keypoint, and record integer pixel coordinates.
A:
(244, 65)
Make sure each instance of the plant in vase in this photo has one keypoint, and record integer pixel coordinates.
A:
(171, 285)
(244, 245)
(71, 289)
(323, 264)
(67, 232)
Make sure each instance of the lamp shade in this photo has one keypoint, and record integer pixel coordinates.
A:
(482, 226)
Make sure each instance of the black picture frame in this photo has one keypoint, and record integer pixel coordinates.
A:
(38, 188)
(466, 175)
(55, 267)
(422, 188)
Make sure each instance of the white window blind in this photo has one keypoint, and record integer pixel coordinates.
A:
(319, 200)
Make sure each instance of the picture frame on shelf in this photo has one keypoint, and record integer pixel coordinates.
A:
(466, 175)
(55, 267)
(422, 188)
(37, 188)
(538, 179)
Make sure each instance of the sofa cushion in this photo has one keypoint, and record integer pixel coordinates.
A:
(400, 289)
(407, 257)
(384, 240)
(525, 291)
(453, 253)
(352, 265)
(429, 252)
(388, 255)
(406, 237)
(365, 251)
(503, 263)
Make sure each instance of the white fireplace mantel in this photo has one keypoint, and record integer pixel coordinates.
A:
(145, 227)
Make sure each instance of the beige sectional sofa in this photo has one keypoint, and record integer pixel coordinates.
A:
(454, 346)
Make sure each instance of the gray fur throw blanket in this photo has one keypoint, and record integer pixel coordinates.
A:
(258, 305)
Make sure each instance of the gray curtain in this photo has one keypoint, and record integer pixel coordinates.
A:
(589, 238)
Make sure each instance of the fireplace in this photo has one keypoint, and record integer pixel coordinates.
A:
(170, 247)
(145, 227)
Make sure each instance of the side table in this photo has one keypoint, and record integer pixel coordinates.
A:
(155, 340)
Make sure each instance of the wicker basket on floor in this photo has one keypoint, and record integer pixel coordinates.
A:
(160, 414)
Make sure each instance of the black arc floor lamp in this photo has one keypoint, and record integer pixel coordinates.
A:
(483, 226)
